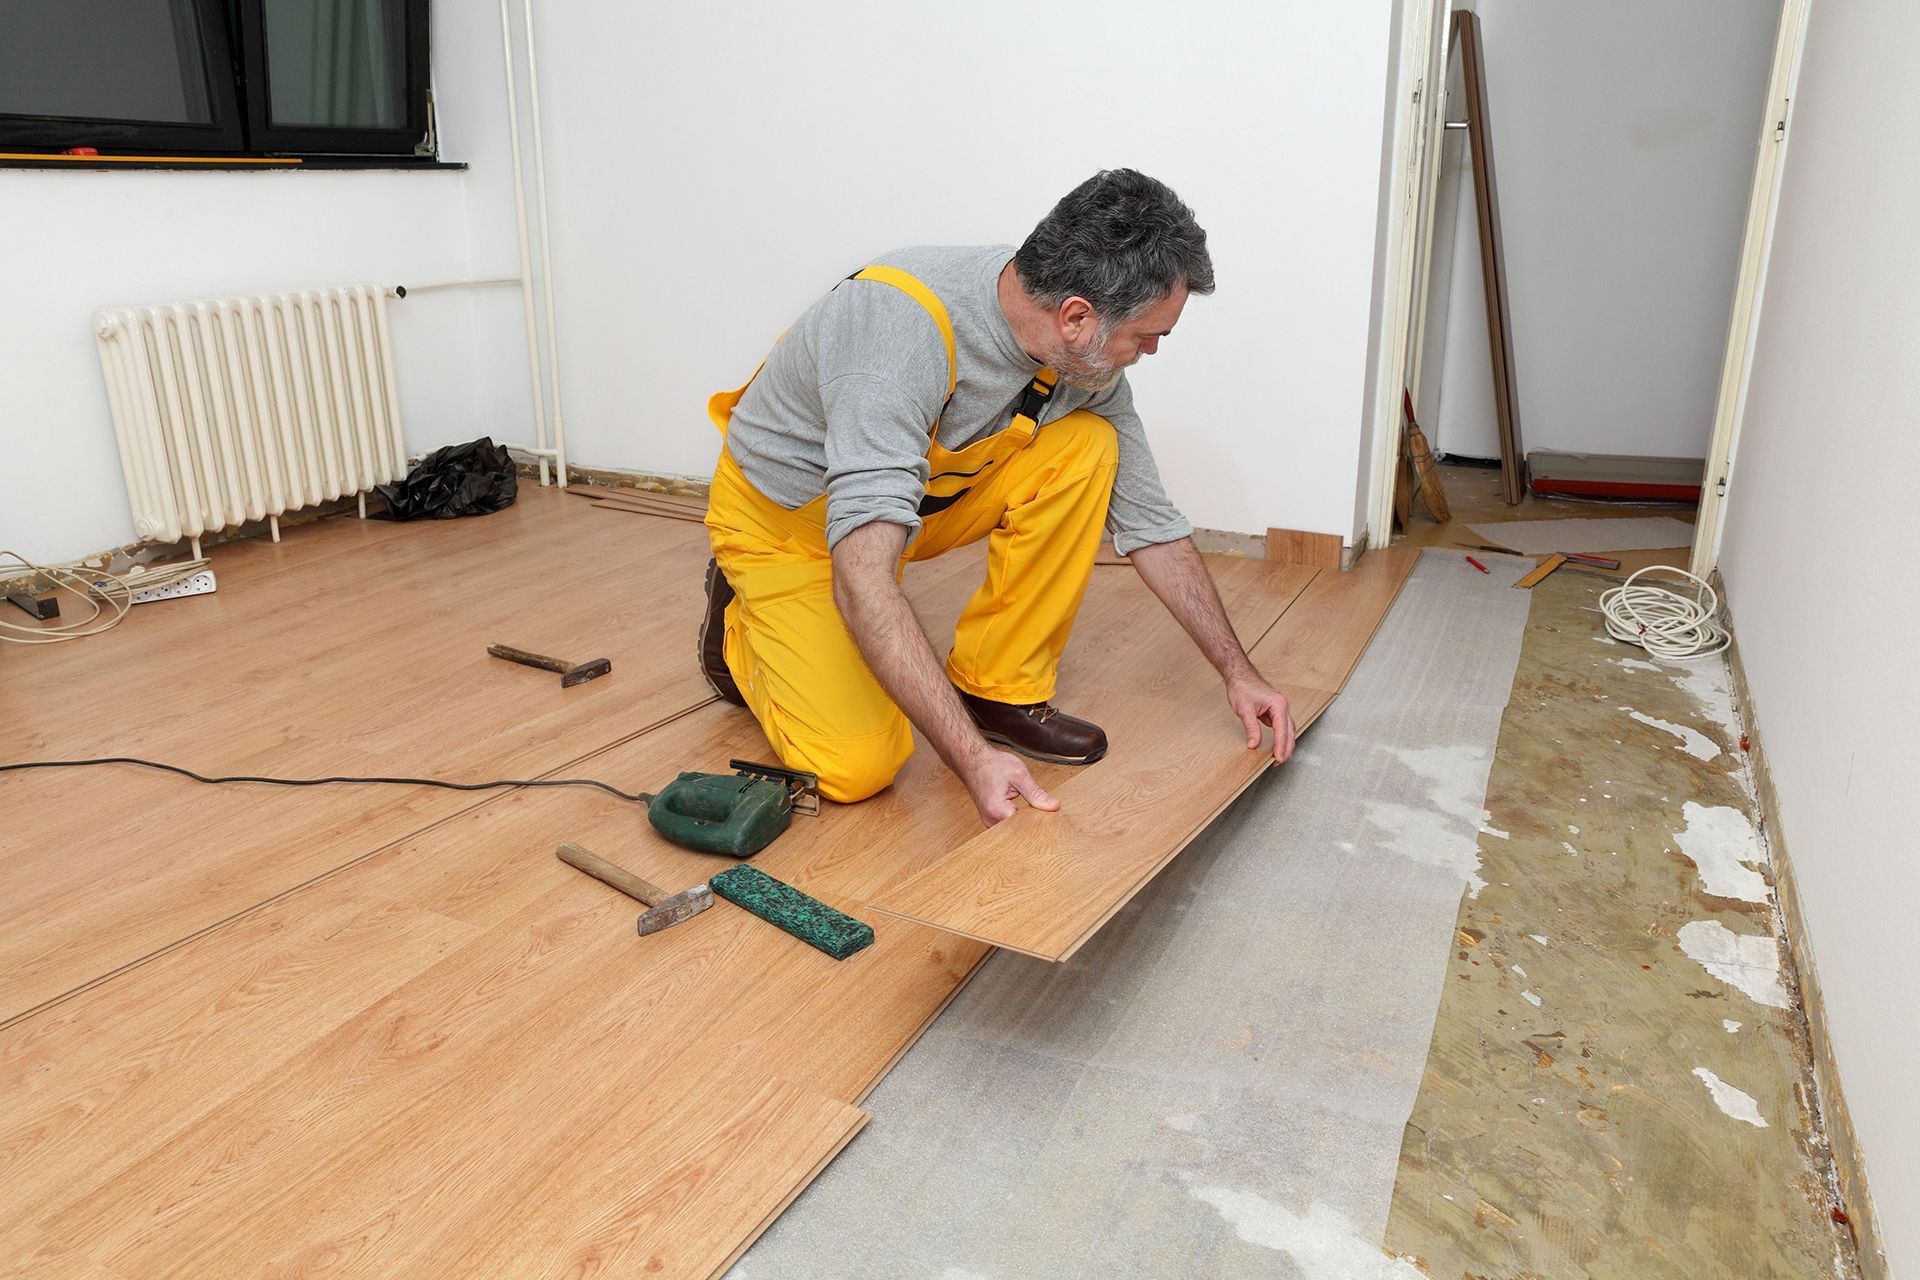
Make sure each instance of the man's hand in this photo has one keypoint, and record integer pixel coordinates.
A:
(1257, 703)
(896, 650)
(996, 779)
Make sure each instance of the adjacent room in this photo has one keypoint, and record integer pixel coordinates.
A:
(956, 643)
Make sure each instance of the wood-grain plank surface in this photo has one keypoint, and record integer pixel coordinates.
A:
(453, 1056)
(350, 647)
(1042, 883)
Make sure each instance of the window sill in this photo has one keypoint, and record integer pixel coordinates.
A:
(275, 164)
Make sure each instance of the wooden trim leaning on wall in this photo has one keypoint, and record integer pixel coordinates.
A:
(1843, 1142)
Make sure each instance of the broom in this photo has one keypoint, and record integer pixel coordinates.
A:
(1432, 493)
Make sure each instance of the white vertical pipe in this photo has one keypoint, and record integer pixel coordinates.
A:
(546, 253)
(526, 257)
(396, 444)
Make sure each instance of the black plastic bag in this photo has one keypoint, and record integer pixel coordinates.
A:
(472, 479)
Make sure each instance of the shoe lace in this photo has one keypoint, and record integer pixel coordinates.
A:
(1042, 713)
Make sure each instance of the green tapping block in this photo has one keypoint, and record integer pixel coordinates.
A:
(808, 919)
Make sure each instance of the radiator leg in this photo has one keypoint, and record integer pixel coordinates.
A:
(363, 506)
(273, 526)
(196, 550)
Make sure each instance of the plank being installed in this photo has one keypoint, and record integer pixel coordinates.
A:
(1043, 884)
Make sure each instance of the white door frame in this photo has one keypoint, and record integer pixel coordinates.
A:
(1420, 123)
(1422, 77)
(1756, 248)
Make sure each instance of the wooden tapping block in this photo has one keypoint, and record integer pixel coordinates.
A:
(1544, 568)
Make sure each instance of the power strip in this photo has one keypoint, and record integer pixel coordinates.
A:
(199, 584)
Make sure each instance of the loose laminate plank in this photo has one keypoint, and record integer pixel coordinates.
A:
(1043, 884)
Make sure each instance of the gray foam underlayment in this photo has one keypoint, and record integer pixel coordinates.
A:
(1625, 533)
(1217, 1084)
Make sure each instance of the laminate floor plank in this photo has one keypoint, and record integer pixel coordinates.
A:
(1042, 884)
(350, 647)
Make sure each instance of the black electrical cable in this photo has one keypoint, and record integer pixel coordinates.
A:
(638, 797)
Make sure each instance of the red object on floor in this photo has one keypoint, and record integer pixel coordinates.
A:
(1617, 489)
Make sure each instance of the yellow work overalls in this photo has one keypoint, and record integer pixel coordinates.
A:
(1039, 499)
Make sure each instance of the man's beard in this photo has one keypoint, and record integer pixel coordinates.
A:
(1086, 368)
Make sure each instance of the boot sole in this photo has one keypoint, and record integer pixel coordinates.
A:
(731, 693)
(1031, 754)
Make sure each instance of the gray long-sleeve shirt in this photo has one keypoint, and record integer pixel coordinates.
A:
(847, 399)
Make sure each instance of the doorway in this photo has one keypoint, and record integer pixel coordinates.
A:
(1629, 151)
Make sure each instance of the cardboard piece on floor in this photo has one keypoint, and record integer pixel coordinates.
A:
(1545, 537)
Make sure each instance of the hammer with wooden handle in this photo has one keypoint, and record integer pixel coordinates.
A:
(667, 909)
(571, 673)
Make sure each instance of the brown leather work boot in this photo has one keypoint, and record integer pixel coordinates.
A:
(1038, 729)
(713, 631)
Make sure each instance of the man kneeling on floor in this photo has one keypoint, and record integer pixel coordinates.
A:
(937, 397)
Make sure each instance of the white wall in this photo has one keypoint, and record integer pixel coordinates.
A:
(716, 167)
(1826, 615)
(1622, 139)
(712, 169)
(80, 240)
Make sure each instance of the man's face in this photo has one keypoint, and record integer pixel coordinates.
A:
(1092, 357)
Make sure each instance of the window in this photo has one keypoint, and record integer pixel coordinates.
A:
(241, 77)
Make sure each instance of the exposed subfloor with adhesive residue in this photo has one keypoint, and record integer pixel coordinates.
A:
(1619, 1082)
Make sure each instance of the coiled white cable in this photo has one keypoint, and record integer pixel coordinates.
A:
(1667, 624)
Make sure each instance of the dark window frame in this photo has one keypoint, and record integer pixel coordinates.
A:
(233, 49)
(272, 139)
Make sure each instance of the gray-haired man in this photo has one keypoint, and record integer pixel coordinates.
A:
(940, 396)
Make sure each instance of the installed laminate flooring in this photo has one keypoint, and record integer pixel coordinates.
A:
(350, 647)
(358, 1039)
(448, 1054)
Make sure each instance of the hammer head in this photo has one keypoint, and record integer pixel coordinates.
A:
(671, 911)
(581, 672)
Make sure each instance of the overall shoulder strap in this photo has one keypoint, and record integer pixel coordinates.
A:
(925, 297)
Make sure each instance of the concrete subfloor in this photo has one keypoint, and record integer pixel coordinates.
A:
(1619, 1082)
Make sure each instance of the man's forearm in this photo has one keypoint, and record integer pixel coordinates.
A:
(1175, 573)
(894, 643)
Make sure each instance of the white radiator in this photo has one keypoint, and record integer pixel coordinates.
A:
(242, 409)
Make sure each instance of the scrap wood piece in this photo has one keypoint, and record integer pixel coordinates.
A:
(1541, 570)
(1043, 884)
(1316, 550)
(668, 511)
